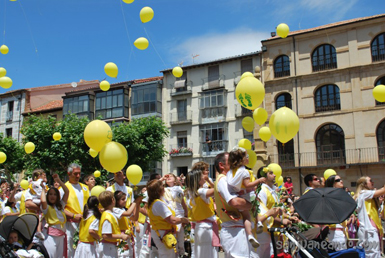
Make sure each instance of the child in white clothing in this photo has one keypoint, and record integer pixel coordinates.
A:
(238, 179)
(39, 180)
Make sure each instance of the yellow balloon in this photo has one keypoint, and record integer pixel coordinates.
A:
(104, 85)
(6, 82)
(260, 116)
(134, 174)
(248, 124)
(111, 69)
(93, 153)
(128, 1)
(352, 193)
(113, 157)
(247, 74)
(97, 190)
(279, 181)
(56, 136)
(3, 72)
(96, 134)
(24, 184)
(146, 14)
(284, 124)
(329, 172)
(277, 170)
(4, 49)
(29, 147)
(245, 143)
(379, 93)
(250, 92)
(252, 158)
(283, 30)
(141, 43)
(3, 157)
(177, 71)
(97, 173)
(264, 133)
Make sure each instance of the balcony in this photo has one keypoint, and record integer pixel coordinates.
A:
(374, 155)
(213, 148)
(9, 116)
(186, 90)
(181, 151)
(210, 83)
(327, 108)
(212, 114)
(241, 111)
(181, 117)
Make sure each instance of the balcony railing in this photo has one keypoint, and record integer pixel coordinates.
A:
(186, 90)
(181, 151)
(329, 158)
(241, 111)
(9, 116)
(378, 53)
(181, 117)
(327, 108)
(282, 73)
(213, 82)
(324, 63)
(212, 114)
(212, 148)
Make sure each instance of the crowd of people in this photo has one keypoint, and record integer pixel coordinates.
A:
(186, 216)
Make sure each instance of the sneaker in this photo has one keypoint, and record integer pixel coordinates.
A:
(259, 227)
(40, 235)
(253, 241)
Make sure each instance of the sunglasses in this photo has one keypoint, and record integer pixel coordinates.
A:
(338, 180)
(316, 179)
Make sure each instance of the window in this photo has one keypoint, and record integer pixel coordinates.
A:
(111, 104)
(146, 99)
(76, 105)
(214, 138)
(286, 153)
(381, 140)
(247, 66)
(249, 136)
(330, 143)
(281, 66)
(10, 111)
(8, 132)
(182, 110)
(180, 84)
(212, 104)
(213, 78)
(181, 170)
(182, 139)
(327, 98)
(324, 58)
(378, 48)
(380, 81)
(283, 100)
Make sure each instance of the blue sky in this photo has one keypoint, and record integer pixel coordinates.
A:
(54, 42)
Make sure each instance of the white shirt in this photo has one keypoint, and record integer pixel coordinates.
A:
(7, 209)
(122, 188)
(107, 227)
(362, 214)
(262, 194)
(235, 181)
(59, 215)
(223, 190)
(177, 195)
(161, 209)
(79, 194)
(94, 224)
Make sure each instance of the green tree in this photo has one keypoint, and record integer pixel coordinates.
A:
(15, 156)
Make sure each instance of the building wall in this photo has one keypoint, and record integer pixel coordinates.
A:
(17, 119)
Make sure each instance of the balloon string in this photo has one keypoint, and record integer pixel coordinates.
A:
(5, 12)
(148, 37)
(29, 27)
(128, 35)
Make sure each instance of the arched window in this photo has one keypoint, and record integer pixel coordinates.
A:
(327, 98)
(380, 81)
(324, 57)
(281, 66)
(283, 100)
(381, 140)
(286, 154)
(330, 143)
(378, 48)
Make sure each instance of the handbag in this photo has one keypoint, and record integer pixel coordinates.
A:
(168, 240)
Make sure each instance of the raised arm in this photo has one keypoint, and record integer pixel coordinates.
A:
(63, 186)
(248, 184)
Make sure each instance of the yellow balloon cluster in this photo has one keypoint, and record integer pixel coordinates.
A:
(29, 147)
(177, 71)
(141, 43)
(3, 157)
(379, 93)
(248, 124)
(97, 134)
(104, 85)
(56, 136)
(97, 173)
(283, 30)
(97, 190)
(277, 170)
(6, 82)
(134, 174)
(24, 184)
(113, 157)
(260, 116)
(250, 92)
(111, 69)
(279, 181)
(329, 172)
(245, 143)
(3, 72)
(284, 124)
(4, 49)
(146, 14)
(264, 133)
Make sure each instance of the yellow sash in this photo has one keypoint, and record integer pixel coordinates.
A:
(157, 222)
(114, 225)
(129, 195)
(372, 210)
(344, 226)
(22, 203)
(73, 202)
(84, 235)
(51, 217)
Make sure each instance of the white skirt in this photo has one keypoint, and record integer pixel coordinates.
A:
(84, 250)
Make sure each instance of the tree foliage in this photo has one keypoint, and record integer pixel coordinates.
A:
(15, 156)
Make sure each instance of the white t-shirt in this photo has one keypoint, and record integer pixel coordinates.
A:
(107, 227)
(59, 215)
(362, 214)
(7, 209)
(177, 195)
(235, 181)
(118, 212)
(161, 209)
(262, 194)
(122, 188)
(207, 185)
(18, 196)
(79, 193)
(94, 224)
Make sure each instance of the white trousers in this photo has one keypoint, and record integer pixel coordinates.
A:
(266, 248)
(71, 228)
(163, 251)
(203, 236)
(109, 250)
(235, 244)
(371, 243)
(54, 246)
(85, 250)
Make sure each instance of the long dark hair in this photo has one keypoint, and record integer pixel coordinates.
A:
(58, 201)
(154, 190)
(92, 204)
(118, 195)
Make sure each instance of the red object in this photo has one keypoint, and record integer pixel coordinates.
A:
(282, 255)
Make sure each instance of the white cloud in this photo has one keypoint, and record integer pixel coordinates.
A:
(214, 46)
(336, 8)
